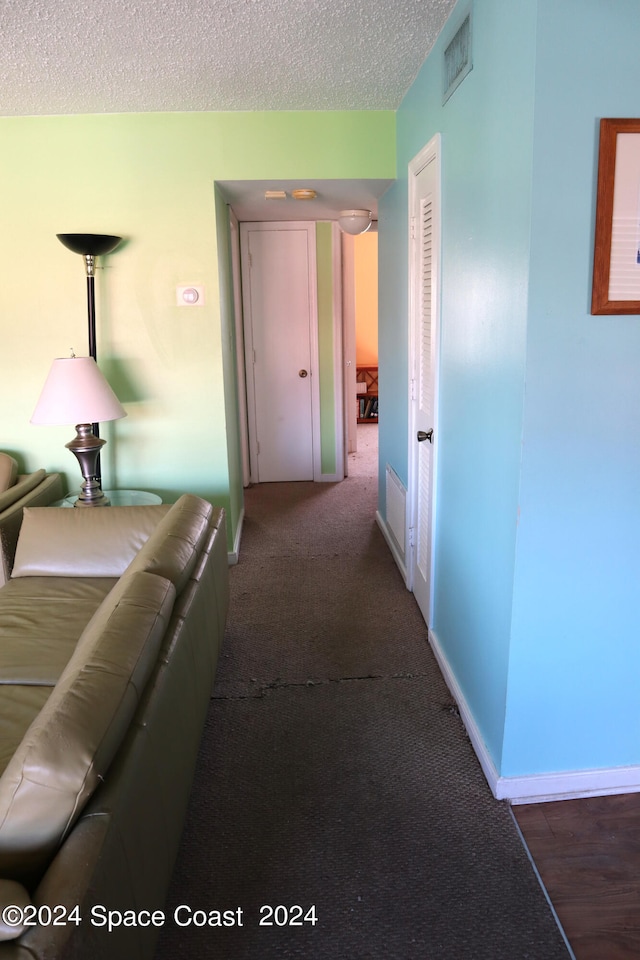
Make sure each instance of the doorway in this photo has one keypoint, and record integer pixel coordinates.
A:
(360, 332)
(270, 201)
(337, 395)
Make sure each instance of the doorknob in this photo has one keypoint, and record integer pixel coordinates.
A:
(425, 436)
(303, 374)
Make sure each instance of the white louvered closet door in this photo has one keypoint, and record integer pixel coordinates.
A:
(424, 218)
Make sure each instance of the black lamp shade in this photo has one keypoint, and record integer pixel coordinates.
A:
(89, 244)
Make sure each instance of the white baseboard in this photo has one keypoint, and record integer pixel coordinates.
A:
(535, 788)
(570, 785)
(233, 557)
(329, 478)
(391, 543)
(478, 744)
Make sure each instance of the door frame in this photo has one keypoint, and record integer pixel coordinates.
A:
(340, 393)
(430, 153)
(238, 318)
(349, 345)
(310, 228)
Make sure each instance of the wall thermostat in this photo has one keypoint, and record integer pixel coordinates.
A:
(190, 296)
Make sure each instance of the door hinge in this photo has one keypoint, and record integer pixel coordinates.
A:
(412, 228)
(412, 541)
(413, 388)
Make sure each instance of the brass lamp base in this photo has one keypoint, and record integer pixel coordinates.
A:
(86, 448)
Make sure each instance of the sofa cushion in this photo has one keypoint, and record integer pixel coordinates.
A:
(41, 621)
(8, 471)
(173, 549)
(69, 746)
(82, 542)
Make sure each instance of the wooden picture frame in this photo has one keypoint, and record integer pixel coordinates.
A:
(616, 256)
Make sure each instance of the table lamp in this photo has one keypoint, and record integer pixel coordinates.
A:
(76, 392)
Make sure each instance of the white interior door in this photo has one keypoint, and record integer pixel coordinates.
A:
(280, 316)
(424, 213)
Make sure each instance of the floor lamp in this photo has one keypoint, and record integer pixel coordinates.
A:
(90, 246)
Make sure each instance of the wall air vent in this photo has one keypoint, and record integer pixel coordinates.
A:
(396, 507)
(457, 60)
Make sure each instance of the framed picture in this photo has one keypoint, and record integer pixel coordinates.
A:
(616, 258)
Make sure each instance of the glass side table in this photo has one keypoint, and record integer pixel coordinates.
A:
(118, 498)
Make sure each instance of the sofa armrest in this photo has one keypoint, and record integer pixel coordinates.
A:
(24, 485)
(38, 489)
(8, 471)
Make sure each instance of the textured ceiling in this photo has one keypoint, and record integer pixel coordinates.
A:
(122, 56)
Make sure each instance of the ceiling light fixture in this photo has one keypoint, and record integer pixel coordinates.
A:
(304, 193)
(275, 195)
(355, 222)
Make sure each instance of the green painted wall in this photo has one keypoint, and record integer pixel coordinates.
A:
(150, 179)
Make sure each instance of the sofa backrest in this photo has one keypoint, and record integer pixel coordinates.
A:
(172, 551)
(82, 542)
(107, 541)
(69, 746)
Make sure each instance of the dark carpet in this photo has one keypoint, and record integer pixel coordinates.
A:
(337, 795)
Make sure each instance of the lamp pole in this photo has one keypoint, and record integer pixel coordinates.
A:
(90, 268)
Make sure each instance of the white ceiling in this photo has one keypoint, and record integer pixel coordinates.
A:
(124, 56)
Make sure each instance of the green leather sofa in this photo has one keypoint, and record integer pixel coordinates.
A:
(110, 630)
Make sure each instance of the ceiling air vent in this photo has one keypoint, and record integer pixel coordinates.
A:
(457, 58)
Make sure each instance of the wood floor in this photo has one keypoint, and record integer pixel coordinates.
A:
(587, 853)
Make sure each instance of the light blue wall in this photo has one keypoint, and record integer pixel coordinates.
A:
(486, 129)
(538, 516)
(575, 654)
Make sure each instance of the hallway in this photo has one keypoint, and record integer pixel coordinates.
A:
(586, 851)
(334, 774)
(364, 462)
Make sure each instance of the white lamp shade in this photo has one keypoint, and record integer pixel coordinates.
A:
(76, 392)
(355, 221)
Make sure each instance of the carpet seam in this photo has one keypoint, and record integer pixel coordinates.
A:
(266, 687)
